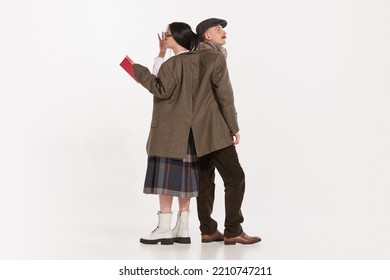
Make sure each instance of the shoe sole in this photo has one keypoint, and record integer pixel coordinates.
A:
(163, 241)
(209, 241)
(234, 243)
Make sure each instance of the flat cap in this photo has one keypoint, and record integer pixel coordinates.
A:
(207, 23)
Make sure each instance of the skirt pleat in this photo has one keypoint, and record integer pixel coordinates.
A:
(173, 177)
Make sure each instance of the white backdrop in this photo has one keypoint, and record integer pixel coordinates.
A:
(312, 84)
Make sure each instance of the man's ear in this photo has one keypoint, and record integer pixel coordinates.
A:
(207, 36)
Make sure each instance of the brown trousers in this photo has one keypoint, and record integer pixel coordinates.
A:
(228, 166)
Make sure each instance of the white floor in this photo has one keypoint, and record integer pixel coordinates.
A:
(108, 224)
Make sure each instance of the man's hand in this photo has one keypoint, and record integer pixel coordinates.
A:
(236, 138)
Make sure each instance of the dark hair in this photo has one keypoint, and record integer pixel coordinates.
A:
(184, 36)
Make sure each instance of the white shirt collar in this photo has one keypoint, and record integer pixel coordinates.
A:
(182, 52)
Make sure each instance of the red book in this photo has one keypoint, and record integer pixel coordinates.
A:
(127, 65)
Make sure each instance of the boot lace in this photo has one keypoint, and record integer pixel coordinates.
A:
(158, 222)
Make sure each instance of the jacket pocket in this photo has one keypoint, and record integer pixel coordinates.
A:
(154, 123)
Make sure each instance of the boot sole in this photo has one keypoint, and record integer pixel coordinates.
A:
(182, 240)
(163, 241)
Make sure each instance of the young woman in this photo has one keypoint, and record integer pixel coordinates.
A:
(172, 163)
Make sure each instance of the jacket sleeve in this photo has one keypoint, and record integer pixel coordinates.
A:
(161, 86)
(224, 93)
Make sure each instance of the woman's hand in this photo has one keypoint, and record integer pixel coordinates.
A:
(163, 48)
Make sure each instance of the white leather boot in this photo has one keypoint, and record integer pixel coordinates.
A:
(162, 233)
(180, 231)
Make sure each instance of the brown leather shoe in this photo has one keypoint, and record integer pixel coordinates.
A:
(243, 238)
(216, 236)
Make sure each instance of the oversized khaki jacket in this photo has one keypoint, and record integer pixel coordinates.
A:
(192, 90)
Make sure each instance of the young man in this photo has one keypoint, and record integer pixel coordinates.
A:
(225, 160)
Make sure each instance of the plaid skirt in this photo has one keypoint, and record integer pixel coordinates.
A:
(173, 177)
